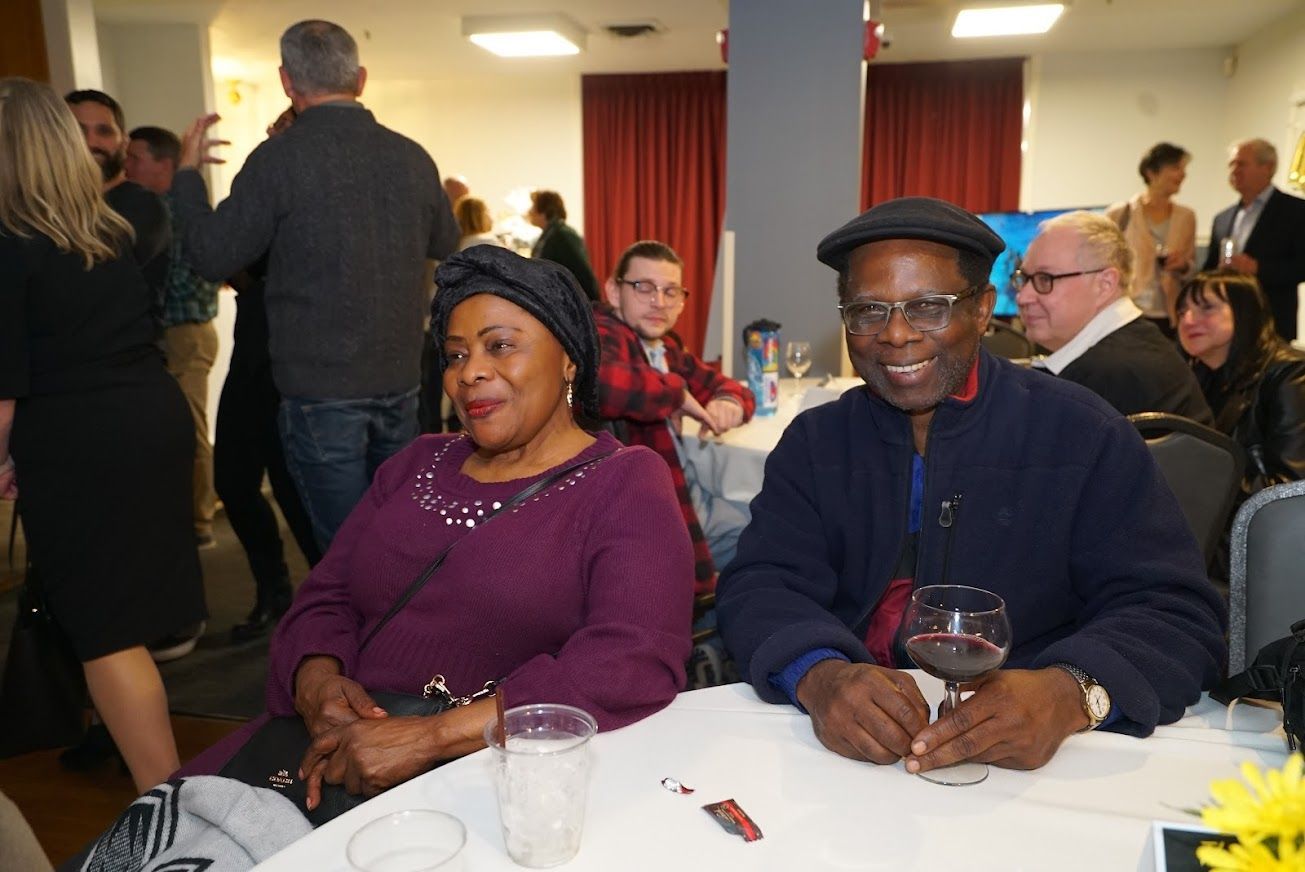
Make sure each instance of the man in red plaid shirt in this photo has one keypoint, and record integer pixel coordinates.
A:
(647, 383)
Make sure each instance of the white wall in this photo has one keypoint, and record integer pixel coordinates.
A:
(156, 71)
(1094, 115)
(1270, 77)
(71, 45)
(502, 134)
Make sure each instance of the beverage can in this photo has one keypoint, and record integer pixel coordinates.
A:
(761, 351)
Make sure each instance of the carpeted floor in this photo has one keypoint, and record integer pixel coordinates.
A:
(218, 678)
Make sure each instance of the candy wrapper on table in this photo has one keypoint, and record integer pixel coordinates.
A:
(761, 350)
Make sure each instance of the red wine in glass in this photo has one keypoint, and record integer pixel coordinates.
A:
(958, 634)
(954, 657)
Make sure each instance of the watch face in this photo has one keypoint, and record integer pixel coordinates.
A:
(1098, 702)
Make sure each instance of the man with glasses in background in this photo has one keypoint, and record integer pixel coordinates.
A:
(1072, 290)
(953, 466)
(647, 383)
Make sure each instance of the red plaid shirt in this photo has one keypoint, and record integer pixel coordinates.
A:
(642, 399)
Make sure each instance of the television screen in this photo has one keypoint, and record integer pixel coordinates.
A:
(1017, 230)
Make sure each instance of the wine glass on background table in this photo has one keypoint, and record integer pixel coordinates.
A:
(958, 634)
(797, 356)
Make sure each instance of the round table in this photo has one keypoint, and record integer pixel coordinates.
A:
(1090, 808)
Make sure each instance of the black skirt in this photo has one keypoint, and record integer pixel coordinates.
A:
(104, 479)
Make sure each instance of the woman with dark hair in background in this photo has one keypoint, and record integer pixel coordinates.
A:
(1253, 380)
(95, 435)
(559, 242)
(1161, 233)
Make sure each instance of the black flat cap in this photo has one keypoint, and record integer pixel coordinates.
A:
(911, 218)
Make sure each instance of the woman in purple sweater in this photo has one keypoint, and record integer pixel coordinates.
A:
(580, 595)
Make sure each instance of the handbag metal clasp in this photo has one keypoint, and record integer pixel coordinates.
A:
(439, 690)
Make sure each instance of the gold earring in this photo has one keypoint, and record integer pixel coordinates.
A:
(570, 397)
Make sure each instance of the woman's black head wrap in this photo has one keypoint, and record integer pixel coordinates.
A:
(547, 291)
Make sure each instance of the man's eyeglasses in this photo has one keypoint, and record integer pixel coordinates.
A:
(647, 291)
(1043, 282)
(925, 314)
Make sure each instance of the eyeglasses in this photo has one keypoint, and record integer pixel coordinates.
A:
(647, 291)
(934, 312)
(1043, 282)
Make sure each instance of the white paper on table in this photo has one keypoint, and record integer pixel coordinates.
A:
(826, 392)
(813, 397)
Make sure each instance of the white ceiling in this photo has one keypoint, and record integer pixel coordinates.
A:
(421, 39)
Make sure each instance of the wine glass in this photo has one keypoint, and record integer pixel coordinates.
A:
(958, 634)
(797, 357)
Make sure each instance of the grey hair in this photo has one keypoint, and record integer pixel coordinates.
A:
(1100, 242)
(320, 57)
(1262, 149)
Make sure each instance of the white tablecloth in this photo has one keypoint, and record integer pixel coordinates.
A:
(1089, 809)
(732, 466)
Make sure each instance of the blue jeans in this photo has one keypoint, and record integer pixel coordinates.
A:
(333, 447)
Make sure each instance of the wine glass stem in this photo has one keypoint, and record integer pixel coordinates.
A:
(953, 697)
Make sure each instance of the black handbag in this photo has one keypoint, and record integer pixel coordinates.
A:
(42, 679)
(271, 757)
(1278, 674)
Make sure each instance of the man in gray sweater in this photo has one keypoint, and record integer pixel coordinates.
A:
(349, 214)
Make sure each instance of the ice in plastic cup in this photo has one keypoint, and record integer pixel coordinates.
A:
(409, 841)
(542, 780)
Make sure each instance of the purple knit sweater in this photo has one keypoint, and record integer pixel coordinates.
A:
(582, 595)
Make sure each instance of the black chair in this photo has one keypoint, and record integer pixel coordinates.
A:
(1265, 589)
(1006, 341)
(1203, 468)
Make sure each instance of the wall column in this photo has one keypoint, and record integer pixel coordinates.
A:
(793, 169)
(71, 44)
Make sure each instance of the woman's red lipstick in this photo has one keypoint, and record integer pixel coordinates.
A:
(482, 408)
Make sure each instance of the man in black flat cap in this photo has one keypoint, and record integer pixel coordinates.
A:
(955, 467)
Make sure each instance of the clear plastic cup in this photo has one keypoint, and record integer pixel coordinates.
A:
(416, 840)
(542, 780)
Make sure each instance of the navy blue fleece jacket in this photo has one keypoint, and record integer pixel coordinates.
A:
(1062, 512)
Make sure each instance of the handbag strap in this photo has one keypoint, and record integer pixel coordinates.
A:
(420, 581)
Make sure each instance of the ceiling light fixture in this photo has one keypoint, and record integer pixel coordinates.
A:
(525, 36)
(1006, 20)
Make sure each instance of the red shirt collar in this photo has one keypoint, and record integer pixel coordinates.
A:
(971, 388)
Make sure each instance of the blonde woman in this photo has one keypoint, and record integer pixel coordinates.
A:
(96, 440)
(1161, 233)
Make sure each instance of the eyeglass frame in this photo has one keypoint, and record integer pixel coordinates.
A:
(1052, 278)
(951, 299)
(682, 297)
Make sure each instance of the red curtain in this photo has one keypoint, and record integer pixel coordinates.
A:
(948, 130)
(654, 168)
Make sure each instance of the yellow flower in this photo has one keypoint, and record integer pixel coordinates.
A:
(1238, 857)
(1273, 808)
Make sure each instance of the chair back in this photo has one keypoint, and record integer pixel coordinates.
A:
(1203, 468)
(1266, 586)
(1003, 340)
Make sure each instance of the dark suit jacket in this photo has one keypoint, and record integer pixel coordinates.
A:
(1136, 369)
(561, 244)
(1278, 244)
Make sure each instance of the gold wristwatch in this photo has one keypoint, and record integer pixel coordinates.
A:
(1096, 701)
